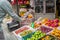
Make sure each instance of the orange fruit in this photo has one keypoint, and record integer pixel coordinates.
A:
(30, 16)
(59, 23)
(27, 2)
(21, 14)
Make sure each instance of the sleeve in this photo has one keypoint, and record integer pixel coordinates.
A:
(5, 5)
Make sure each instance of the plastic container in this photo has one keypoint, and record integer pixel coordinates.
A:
(34, 35)
(26, 36)
(19, 37)
(55, 33)
(49, 37)
(26, 32)
(45, 29)
(16, 32)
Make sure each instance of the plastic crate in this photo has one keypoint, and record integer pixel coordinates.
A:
(27, 36)
(50, 36)
(45, 29)
(30, 35)
(27, 21)
(19, 37)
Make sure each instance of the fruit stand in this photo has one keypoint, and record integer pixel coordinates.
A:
(43, 29)
(26, 15)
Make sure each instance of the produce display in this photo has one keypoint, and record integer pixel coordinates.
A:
(30, 16)
(37, 24)
(38, 34)
(24, 11)
(21, 30)
(56, 33)
(48, 37)
(42, 30)
(24, 33)
(45, 29)
(51, 23)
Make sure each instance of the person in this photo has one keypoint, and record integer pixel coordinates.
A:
(32, 3)
(6, 8)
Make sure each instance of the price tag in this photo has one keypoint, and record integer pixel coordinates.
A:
(32, 24)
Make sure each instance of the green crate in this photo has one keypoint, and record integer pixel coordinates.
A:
(27, 36)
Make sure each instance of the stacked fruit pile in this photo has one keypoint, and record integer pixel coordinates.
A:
(21, 30)
(56, 33)
(26, 32)
(22, 13)
(38, 34)
(45, 29)
(48, 23)
(48, 37)
(51, 23)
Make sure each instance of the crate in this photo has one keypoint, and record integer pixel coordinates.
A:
(27, 36)
(50, 36)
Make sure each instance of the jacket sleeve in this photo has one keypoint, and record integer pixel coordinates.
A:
(5, 5)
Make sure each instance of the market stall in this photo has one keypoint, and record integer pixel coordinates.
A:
(30, 29)
(41, 29)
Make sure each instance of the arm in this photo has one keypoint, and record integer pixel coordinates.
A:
(27, 13)
(5, 5)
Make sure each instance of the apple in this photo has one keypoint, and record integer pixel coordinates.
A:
(24, 2)
(56, 24)
(38, 34)
(52, 21)
(49, 24)
(20, 2)
(56, 20)
(53, 25)
(49, 20)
